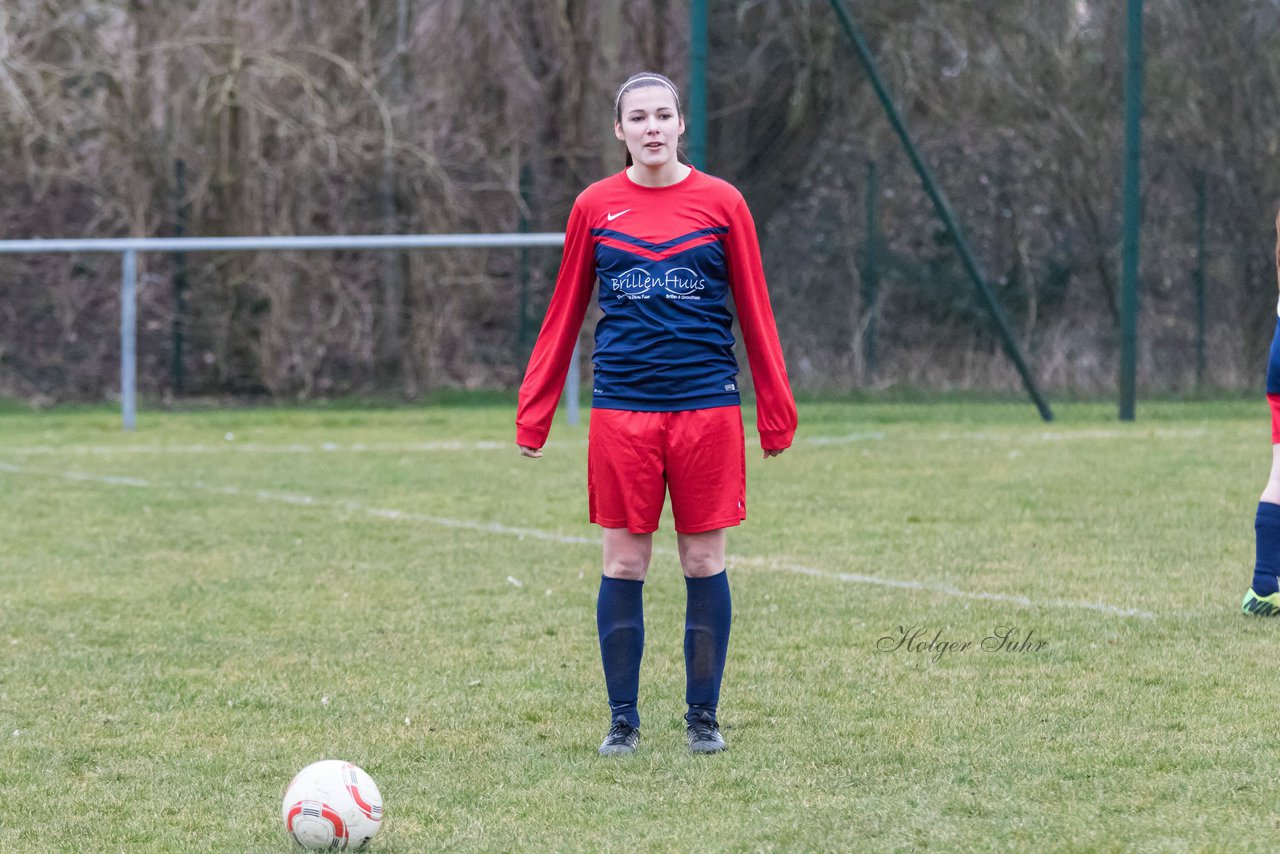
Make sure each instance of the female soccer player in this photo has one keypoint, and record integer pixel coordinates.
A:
(664, 245)
(1263, 596)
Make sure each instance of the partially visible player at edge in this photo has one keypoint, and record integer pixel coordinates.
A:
(665, 245)
(1263, 597)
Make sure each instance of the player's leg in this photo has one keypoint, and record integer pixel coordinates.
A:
(1263, 596)
(1271, 494)
(708, 615)
(706, 473)
(620, 623)
(703, 554)
(626, 490)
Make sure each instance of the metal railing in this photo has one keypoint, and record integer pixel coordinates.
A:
(129, 247)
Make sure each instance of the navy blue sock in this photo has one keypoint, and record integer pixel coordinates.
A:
(1267, 527)
(708, 613)
(620, 621)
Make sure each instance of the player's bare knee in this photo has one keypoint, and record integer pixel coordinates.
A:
(700, 563)
(629, 567)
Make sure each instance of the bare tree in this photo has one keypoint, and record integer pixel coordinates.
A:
(452, 115)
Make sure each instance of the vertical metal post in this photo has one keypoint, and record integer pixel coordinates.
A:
(1202, 205)
(870, 276)
(522, 320)
(573, 387)
(696, 121)
(1132, 212)
(180, 279)
(129, 339)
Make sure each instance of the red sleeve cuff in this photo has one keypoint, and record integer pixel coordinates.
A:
(530, 437)
(776, 440)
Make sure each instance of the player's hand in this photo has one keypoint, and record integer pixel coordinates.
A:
(773, 452)
(531, 453)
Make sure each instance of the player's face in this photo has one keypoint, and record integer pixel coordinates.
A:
(650, 126)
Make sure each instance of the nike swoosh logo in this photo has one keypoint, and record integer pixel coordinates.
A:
(612, 217)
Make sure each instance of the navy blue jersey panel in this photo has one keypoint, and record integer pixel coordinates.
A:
(665, 336)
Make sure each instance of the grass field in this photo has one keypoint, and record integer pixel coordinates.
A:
(191, 613)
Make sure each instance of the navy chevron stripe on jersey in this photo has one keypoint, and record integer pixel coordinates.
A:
(659, 247)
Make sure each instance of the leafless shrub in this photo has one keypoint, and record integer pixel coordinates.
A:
(447, 115)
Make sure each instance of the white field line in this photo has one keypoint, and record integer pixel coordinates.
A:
(299, 500)
(233, 446)
(771, 564)
(934, 587)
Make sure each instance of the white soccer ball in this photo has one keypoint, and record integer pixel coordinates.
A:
(332, 805)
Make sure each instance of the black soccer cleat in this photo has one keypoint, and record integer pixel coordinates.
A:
(704, 734)
(622, 738)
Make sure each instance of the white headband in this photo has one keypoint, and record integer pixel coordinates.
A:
(630, 83)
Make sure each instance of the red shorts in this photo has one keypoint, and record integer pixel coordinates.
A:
(634, 458)
(1274, 401)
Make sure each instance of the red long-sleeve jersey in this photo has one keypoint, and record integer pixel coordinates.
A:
(664, 260)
